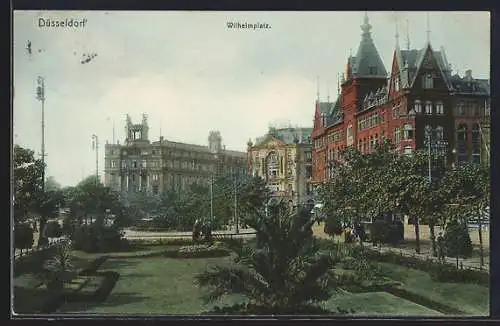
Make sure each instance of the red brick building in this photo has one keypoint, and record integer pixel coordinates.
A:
(418, 92)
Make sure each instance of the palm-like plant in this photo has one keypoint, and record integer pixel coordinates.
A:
(284, 272)
(59, 269)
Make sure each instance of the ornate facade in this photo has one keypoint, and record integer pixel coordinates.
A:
(163, 165)
(283, 158)
(419, 94)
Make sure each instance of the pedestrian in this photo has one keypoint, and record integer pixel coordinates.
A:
(440, 245)
(196, 230)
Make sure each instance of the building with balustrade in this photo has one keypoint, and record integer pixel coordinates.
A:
(141, 165)
(283, 158)
(418, 103)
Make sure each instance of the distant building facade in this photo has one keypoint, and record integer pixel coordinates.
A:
(283, 158)
(140, 165)
(419, 93)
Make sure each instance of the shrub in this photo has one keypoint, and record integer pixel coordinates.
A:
(333, 226)
(456, 240)
(379, 231)
(53, 230)
(92, 266)
(99, 238)
(164, 241)
(23, 236)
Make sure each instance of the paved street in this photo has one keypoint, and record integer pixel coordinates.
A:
(131, 234)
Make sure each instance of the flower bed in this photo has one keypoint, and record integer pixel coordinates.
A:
(162, 241)
(197, 251)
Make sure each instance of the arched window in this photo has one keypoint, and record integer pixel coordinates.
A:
(439, 108)
(418, 106)
(272, 166)
(428, 107)
(439, 133)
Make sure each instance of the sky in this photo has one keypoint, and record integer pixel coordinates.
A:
(191, 74)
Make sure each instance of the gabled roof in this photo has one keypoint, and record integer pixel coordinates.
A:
(367, 62)
(436, 55)
(469, 85)
(287, 136)
(334, 115)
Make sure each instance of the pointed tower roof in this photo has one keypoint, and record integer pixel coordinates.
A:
(368, 62)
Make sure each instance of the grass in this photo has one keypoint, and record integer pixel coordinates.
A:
(162, 286)
(377, 304)
(472, 299)
(136, 250)
(152, 286)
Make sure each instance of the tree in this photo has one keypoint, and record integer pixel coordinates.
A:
(51, 184)
(283, 273)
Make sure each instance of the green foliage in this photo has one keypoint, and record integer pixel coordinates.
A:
(23, 236)
(283, 271)
(53, 230)
(99, 238)
(457, 242)
(58, 269)
(379, 231)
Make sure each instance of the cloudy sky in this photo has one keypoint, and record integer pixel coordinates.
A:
(191, 74)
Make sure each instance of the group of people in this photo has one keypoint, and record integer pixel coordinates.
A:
(351, 233)
(202, 229)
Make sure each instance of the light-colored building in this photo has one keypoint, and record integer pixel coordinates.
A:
(139, 165)
(283, 158)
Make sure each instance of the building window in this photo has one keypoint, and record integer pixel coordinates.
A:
(439, 133)
(143, 163)
(408, 131)
(373, 71)
(134, 164)
(427, 81)
(155, 177)
(408, 150)
(113, 164)
(461, 109)
(439, 108)
(418, 106)
(124, 164)
(396, 83)
(462, 132)
(428, 107)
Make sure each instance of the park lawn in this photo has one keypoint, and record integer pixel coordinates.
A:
(472, 299)
(153, 286)
(377, 304)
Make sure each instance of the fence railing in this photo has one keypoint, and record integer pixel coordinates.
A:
(27, 252)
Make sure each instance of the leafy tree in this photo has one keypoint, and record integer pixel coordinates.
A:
(283, 273)
(51, 184)
(23, 237)
(53, 230)
(457, 242)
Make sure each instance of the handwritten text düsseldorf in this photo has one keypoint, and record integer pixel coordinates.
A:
(61, 23)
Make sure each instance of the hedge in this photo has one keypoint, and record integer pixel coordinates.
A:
(442, 272)
(197, 252)
(164, 241)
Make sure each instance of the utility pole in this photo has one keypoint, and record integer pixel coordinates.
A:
(95, 145)
(236, 207)
(40, 96)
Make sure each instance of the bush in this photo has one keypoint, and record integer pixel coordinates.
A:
(456, 240)
(92, 266)
(379, 231)
(333, 226)
(23, 236)
(164, 241)
(53, 230)
(99, 238)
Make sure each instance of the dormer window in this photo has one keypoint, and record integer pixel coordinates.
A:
(428, 81)
(373, 70)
